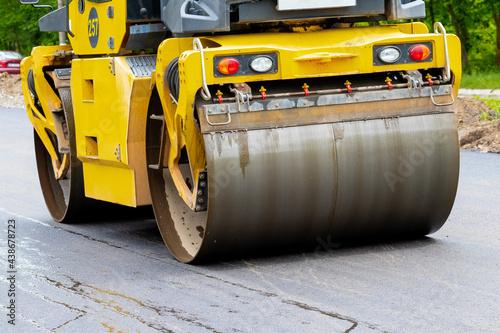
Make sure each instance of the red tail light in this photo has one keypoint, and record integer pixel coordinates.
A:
(228, 66)
(419, 52)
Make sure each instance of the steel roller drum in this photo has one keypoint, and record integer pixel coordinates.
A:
(344, 181)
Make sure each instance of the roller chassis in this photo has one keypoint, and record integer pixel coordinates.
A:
(330, 144)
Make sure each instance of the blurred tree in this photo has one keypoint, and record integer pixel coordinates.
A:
(476, 23)
(495, 10)
(430, 7)
(459, 20)
(19, 26)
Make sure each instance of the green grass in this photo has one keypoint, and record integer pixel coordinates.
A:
(484, 115)
(492, 103)
(481, 81)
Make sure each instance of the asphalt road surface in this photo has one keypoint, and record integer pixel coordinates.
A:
(116, 275)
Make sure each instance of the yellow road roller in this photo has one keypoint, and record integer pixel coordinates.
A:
(248, 125)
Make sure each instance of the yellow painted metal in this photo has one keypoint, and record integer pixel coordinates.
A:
(326, 52)
(110, 121)
(110, 107)
(300, 55)
(110, 104)
(61, 168)
(183, 130)
(42, 120)
(94, 24)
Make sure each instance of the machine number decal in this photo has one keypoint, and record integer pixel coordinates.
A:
(93, 26)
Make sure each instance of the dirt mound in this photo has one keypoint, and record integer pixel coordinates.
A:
(485, 139)
(478, 126)
(469, 111)
(11, 92)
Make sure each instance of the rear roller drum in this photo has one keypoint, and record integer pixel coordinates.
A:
(181, 228)
(343, 182)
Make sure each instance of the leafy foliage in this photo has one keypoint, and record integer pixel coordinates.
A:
(19, 26)
(473, 21)
(494, 104)
(476, 22)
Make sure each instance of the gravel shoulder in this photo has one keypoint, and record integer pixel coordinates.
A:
(477, 127)
(11, 92)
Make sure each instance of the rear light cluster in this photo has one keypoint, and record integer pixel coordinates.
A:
(245, 64)
(261, 64)
(419, 52)
(402, 53)
(389, 55)
(228, 66)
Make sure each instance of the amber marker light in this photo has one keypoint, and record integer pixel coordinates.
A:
(228, 66)
(419, 52)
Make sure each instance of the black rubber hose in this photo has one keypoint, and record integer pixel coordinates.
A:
(173, 78)
(31, 85)
(32, 89)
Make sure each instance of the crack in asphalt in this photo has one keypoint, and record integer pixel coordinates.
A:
(82, 312)
(91, 238)
(330, 314)
(69, 321)
(34, 323)
(180, 314)
(177, 313)
(304, 306)
(77, 288)
(61, 229)
(260, 292)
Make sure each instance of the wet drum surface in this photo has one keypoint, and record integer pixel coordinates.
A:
(284, 187)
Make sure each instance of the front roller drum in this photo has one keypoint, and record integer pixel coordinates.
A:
(64, 197)
(289, 187)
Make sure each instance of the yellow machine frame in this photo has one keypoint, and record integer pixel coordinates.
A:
(111, 105)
